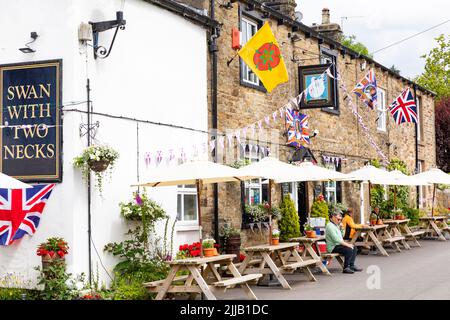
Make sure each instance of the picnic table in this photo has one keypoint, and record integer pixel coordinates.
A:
(373, 236)
(198, 280)
(309, 252)
(435, 226)
(276, 260)
(395, 230)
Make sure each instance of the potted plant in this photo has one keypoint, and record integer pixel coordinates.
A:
(275, 237)
(232, 240)
(208, 247)
(398, 214)
(52, 251)
(309, 231)
(373, 219)
(257, 213)
(97, 159)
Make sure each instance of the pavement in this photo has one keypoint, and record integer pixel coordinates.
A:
(421, 273)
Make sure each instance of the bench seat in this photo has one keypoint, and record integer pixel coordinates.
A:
(237, 280)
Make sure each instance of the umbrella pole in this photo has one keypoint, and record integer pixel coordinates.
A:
(370, 200)
(395, 197)
(269, 196)
(199, 208)
(434, 195)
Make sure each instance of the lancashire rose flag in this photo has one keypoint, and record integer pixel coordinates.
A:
(262, 55)
(21, 210)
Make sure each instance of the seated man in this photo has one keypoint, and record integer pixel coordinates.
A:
(336, 243)
(349, 225)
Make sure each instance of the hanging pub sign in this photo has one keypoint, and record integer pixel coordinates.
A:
(319, 88)
(31, 121)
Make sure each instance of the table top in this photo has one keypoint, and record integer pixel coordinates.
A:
(306, 239)
(267, 247)
(391, 221)
(433, 218)
(373, 228)
(200, 261)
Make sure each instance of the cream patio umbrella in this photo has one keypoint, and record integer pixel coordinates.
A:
(270, 168)
(433, 176)
(198, 173)
(372, 175)
(398, 178)
(7, 182)
(308, 171)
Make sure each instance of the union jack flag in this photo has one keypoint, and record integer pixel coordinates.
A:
(404, 108)
(297, 128)
(366, 89)
(21, 210)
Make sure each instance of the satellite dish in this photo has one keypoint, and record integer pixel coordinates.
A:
(298, 16)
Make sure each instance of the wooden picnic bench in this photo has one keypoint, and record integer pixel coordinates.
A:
(309, 252)
(330, 256)
(434, 226)
(373, 236)
(203, 278)
(395, 232)
(276, 260)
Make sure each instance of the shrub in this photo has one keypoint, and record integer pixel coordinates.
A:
(412, 214)
(289, 224)
(319, 209)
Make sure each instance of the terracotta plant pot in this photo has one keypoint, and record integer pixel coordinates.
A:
(311, 234)
(98, 166)
(379, 222)
(215, 252)
(373, 222)
(275, 241)
(208, 252)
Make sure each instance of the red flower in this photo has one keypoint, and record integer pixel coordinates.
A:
(216, 245)
(51, 254)
(61, 253)
(195, 253)
(241, 257)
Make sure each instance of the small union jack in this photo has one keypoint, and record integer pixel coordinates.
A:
(21, 210)
(297, 128)
(404, 108)
(366, 89)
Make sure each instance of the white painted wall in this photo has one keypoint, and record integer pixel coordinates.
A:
(157, 71)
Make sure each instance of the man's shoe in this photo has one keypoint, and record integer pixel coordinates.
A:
(348, 270)
(356, 269)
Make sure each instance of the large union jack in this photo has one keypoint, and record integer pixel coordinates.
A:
(296, 128)
(21, 210)
(366, 89)
(404, 108)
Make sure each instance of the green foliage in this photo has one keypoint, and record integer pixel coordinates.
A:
(240, 163)
(337, 206)
(208, 243)
(350, 42)
(289, 223)
(58, 284)
(257, 212)
(436, 76)
(142, 208)
(319, 209)
(413, 214)
(11, 293)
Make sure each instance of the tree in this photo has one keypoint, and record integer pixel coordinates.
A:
(442, 134)
(436, 76)
(350, 42)
(289, 224)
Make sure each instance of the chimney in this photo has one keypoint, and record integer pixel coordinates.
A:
(325, 16)
(286, 7)
(327, 28)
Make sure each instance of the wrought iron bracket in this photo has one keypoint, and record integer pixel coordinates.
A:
(97, 27)
(83, 130)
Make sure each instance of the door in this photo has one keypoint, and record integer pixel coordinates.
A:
(302, 203)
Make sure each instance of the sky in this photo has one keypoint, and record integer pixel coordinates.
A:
(380, 23)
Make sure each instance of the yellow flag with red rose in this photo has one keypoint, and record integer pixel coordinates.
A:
(263, 56)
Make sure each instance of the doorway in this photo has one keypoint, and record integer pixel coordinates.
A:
(302, 204)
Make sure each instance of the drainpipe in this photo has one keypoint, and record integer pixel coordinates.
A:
(213, 51)
(88, 90)
(417, 147)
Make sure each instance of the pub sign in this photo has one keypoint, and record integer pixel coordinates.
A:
(31, 122)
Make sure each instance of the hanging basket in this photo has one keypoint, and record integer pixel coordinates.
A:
(98, 166)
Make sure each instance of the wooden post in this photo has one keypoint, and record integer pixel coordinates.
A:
(199, 208)
(269, 196)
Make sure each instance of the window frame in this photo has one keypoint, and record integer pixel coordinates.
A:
(182, 191)
(245, 15)
(333, 55)
(337, 184)
(251, 184)
(381, 110)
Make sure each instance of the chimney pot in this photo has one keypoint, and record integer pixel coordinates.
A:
(325, 16)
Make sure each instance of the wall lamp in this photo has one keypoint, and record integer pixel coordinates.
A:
(27, 48)
(294, 37)
(97, 27)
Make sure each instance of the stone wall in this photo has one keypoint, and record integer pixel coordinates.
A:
(340, 135)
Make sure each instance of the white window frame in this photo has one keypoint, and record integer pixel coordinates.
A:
(330, 187)
(419, 131)
(254, 183)
(182, 190)
(381, 110)
(246, 32)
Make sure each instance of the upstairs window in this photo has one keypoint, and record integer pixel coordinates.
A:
(381, 110)
(248, 30)
(187, 209)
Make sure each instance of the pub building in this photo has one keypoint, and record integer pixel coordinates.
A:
(157, 82)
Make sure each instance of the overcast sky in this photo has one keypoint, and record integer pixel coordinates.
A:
(384, 22)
